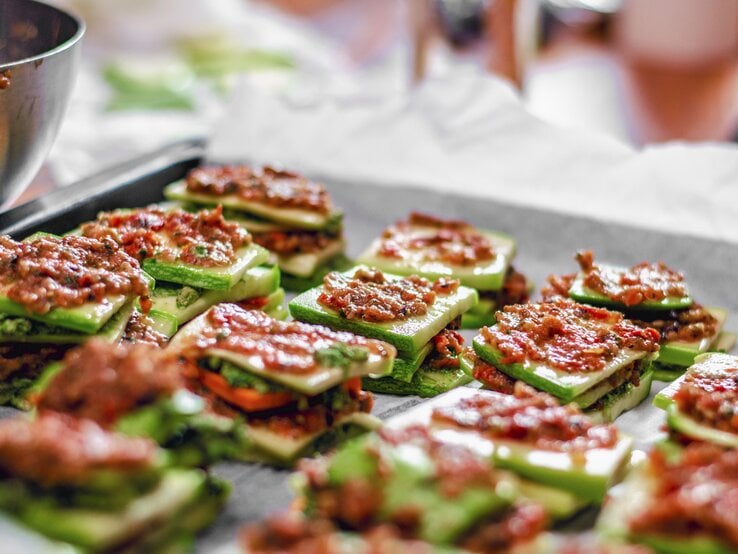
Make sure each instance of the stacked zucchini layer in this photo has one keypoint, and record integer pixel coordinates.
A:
(674, 356)
(412, 337)
(603, 393)
(269, 396)
(29, 340)
(302, 267)
(487, 276)
(121, 500)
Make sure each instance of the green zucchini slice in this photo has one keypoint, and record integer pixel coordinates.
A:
(425, 383)
(24, 330)
(305, 265)
(183, 303)
(175, 501)
(483, 276)
(563, 384)
(87, 318)
(213, 278)
(681, 353)
(292, 217)
(407, 335)
(585, 295)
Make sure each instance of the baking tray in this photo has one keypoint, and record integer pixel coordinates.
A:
(547, 242)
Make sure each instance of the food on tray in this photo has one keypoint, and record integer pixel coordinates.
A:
(679, 500)
(437, 248)
(56, 292)
(138, 390)
(415, 315)
(590, 356)
(652, 295)
(198, 259)
(434, 490)
(703, 403)
(298, 386)
(288, 214)
(98, 491)
(293, 533)
(565, 459)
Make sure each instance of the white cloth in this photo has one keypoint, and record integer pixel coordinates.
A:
(470, 134)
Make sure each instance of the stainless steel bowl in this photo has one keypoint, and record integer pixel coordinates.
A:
(39, 52)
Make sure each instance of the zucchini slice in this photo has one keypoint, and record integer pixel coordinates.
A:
(585, 295)
(687, 426)
(712, 365)
(404, 368)
(293, 217)
(425, 383)
(587, 475)
(170, 504)
(275, 447)
(310, 384)
(87, 318)
(24, 330)
(487, 275)
(563, 384)
(624, 398)
(682, 353)
(297, 284)
(305, 265)
(213, 278)
(183, 303)
(407, 335)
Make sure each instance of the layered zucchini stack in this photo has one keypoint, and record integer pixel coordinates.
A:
(703, 403)
(429, 489)
(296, 386)
(433, 248)
(138, 390)
(198, 260)
(291, 216)
(680, 500)
(96, 491)
(577, 353)
(57, 292)
(653, 295)
(563, 459)
(413, 314)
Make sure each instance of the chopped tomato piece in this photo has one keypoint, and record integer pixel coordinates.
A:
(249, 400)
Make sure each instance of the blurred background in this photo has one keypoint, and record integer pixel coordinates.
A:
(639, 71)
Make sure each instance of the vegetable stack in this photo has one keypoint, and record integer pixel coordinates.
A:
(431, 247)
(286, 213)
(296, 386)
(97, 491)
(57, 292)
(415, 315)
(590, 356)
(652, 295)
(197, 259)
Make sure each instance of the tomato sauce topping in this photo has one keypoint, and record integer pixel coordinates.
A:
(294, 241)
(282, 346)
(447, 346)
(427, 238)
(370, 296)
(710, 396)
(103, 381)
(566, 335)
(697, 493)
(487, 374)
(66, 272)
(269, 186)
(641, 283)
(529, 416)
(58, 450)
(519, 525)
(203, 239)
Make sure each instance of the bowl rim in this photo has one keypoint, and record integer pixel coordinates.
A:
(69, 43)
